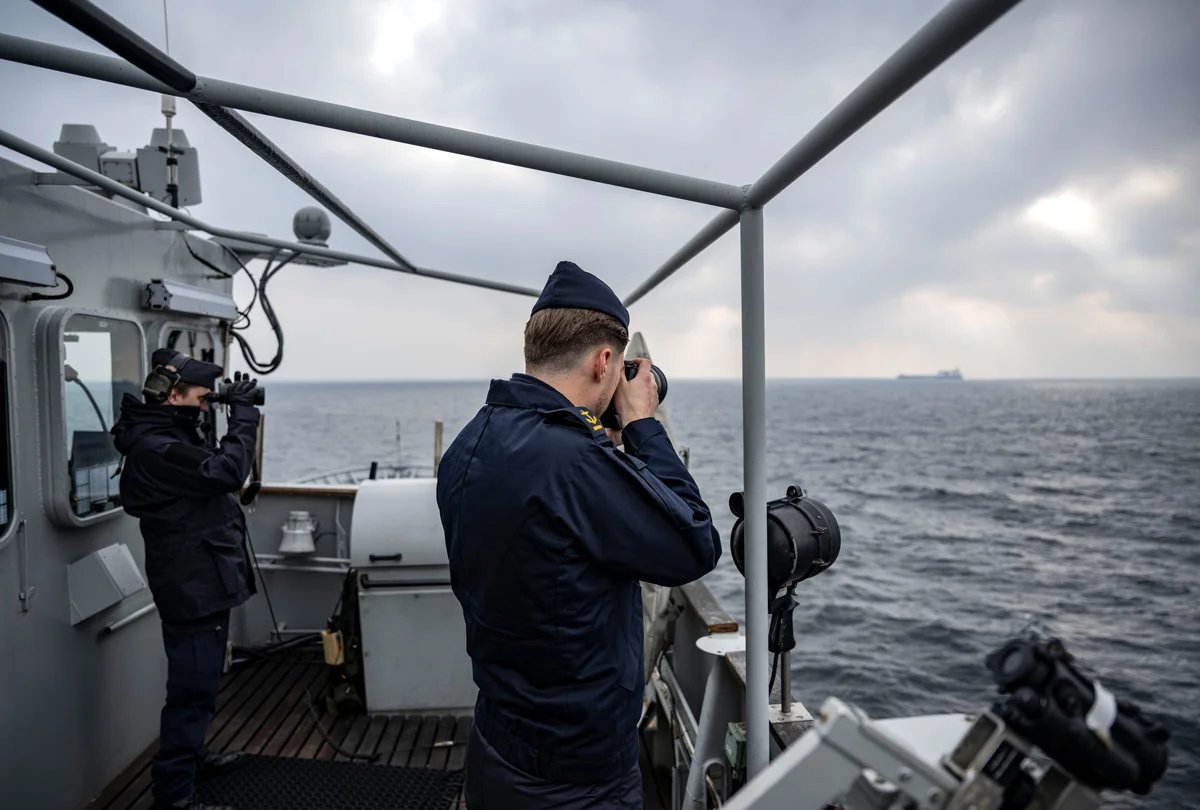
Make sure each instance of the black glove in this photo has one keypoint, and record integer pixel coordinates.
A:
(239, 392)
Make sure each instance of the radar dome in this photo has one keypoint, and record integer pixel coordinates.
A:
(311, 224)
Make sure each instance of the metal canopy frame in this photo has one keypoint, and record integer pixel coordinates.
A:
(951, 28)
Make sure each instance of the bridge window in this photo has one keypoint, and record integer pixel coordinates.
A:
(193, 342)
(102, 361)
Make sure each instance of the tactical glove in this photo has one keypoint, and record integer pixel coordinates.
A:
(240, 392)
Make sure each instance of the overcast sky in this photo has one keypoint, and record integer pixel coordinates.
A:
(1032, 209)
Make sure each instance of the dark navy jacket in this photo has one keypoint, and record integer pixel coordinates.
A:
(186, 496)
(549, 528)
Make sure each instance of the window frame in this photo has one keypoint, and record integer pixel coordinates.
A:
(10, 424)
(168, 327)
(51, 326)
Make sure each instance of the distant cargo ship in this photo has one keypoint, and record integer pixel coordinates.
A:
(952, 374)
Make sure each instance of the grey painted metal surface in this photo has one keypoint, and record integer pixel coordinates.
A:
(305, 591)
(904, 757)
(379, 125)
(49, 332)
(719, 708)
(79, 63)
(113, 187)
(89, 701)
(754, 454)
(25, 263)
(102, 579)
(405, 666)
(125, 621)
(174, 297)
(785, 689)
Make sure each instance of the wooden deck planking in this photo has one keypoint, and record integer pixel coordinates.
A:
(404, 743)
(263, 708)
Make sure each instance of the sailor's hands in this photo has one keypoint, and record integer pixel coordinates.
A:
(240, 391)
(637, 398)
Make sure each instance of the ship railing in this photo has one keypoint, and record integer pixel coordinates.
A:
(144, 66)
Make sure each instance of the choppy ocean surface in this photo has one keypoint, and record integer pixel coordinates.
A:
(967, 509)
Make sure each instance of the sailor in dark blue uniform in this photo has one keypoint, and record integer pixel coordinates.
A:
(196, 561)
(549, 528)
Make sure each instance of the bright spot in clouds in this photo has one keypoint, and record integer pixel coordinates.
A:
(1066, 212)
(398, 26)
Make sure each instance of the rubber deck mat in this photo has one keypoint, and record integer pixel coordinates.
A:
(282, 783)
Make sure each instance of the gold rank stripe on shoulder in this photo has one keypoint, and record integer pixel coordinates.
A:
(591, 420)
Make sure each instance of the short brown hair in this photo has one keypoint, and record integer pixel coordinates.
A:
(558, 338)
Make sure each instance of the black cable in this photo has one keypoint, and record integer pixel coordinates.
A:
(256, 365)
(774, 669)
(56, 296)
(266, 650)
(92, 399)
(226, 273)
(263, 582)
(338, 605)
(205, 261)
(243, 313)
(312, 713)
(253, 282)
(259, 368)
(243, 319)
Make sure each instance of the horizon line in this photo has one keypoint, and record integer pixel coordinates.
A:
(1160, 378)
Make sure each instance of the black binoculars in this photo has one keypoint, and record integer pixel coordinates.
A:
(221, 396)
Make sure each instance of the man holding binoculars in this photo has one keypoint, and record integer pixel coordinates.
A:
(549, 529)
(185, 494)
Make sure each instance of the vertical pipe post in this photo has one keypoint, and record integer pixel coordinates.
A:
(260, 438)
(754, 450)
(785, 685)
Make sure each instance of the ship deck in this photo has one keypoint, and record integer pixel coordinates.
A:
(263, 709)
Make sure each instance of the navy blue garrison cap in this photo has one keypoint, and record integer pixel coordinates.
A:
(570, 286)
(190, 370)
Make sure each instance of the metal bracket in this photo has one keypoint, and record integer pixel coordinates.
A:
(26, 592)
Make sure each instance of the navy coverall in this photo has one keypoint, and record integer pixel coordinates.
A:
(549, 528)
(196, 561)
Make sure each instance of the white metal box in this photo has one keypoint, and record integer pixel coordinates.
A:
(414, 649)
(101, 580)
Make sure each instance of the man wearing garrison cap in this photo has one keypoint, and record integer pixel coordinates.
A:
(549, 529)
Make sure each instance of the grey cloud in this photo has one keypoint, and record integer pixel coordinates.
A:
(713, 89)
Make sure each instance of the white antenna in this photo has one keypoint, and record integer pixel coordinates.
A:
(168, 111)
(166, 29)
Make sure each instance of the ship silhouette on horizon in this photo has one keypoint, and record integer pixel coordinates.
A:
(951, 374)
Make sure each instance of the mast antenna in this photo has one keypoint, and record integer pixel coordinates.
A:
(168, 111)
